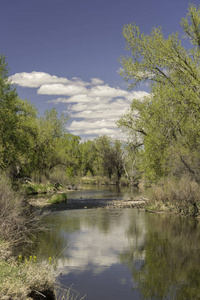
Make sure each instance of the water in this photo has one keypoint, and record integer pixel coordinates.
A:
(102, 191)
(117, 254)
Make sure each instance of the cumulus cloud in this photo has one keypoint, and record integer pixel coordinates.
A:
(96, 81)
(99, 106)
(75, 125)
(36, 79)
(107, 91)
(82, 98)
(99, 114)
(61, 89)
(96, 128)
(94, 106)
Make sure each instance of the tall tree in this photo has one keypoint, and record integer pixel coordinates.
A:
(48, 149)
(165, 126)
(88, 156)
(17, 124)
(109, 157)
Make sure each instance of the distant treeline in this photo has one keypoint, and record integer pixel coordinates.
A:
(40, 147)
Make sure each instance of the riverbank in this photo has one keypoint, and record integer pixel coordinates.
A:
(20, 277)
(24, 278)
(44, 206)
(171, 195)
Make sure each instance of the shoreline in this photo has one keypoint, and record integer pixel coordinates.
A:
(87, 203)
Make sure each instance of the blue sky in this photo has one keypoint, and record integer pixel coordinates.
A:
(64, 54)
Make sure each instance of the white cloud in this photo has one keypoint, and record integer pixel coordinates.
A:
(81, 98)
(96, 81)
(76, 125)
(61, 89)
(97, 128)
(36, 79)
(99, 114)
(107, 91)
(99, 106)
(94, 106)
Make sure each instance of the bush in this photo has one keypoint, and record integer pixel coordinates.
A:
(59, 198)
(181, 196)
(16, 217)
(34, 189)
(25, 279)
(58, 175)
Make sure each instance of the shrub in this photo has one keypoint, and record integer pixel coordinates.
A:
(34, 189)
(182, 196)
(58, 198)
(58, 175)
(16, 216)
(25, 279)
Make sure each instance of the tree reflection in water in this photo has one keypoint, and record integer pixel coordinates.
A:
(171, 265)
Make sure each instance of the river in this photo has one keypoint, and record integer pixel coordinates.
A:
(122, 254)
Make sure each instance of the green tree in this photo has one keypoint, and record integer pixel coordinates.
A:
(88, 156)
(130, 162)
(48, 149)
(165, 126)
(73, 157)
(109, 158)
(17, 125)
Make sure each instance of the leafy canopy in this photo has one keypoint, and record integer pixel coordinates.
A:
(165, 126)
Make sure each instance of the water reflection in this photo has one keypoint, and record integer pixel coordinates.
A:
(172, 259)
(124, 254)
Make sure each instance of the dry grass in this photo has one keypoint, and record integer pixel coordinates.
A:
(19, 280)
(63, 293)
(25, 280)
(181, 196)
(17, 219)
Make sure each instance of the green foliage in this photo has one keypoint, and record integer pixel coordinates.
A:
(40, 147)
(31, 189)
(59, 198)
(17, 125)
(164, 127)
(28, 143)
(109, 158)
(49, 146)
(88, 156)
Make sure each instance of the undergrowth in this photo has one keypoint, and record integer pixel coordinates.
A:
(178, 195)
(24, 279)
(17, 219)
(33, 189)
(58, 198)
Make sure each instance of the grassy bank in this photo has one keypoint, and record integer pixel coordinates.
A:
(35, 188)
(180, 196)
(24, 279)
